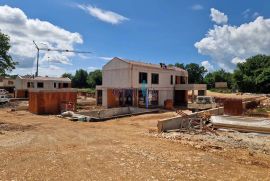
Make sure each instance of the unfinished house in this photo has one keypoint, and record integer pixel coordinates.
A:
(132, 83)
(47, 95)
(7, 83)
(25, 83)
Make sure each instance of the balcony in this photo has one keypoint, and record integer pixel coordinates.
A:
(190, 87)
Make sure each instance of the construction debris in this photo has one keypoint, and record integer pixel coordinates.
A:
(201, 123)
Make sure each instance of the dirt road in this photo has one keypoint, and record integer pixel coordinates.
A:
(51, 148)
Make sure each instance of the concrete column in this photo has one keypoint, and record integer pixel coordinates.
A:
(192, 99)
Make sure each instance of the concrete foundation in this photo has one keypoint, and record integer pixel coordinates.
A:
(105, 114)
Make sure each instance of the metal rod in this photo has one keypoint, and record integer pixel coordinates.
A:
(37, 62)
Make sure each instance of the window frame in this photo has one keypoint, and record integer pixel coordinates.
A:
(141, 77)
(38, 86)
(152, 78)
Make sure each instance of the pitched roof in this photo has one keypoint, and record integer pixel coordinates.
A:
(141, 63)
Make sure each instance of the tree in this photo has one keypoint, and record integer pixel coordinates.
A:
(94, 78)
(195, 73)
(6, 62)
(253, 75)
(80, 79)
(67, 75)
(180, 65)
(218, 76)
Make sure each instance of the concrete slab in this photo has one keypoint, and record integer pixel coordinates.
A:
(242, 123)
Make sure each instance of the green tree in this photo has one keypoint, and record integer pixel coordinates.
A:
(94, 78)
(195, 73)
(218, 76)
(253, 75)
(6, 62)
(180, 65)
(80, 79)
(67, 75)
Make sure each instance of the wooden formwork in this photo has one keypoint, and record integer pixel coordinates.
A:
(50, 102)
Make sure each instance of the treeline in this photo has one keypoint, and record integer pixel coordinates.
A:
(83, 79)
(251, 76)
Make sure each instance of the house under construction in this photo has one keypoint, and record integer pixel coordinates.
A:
(133, 83)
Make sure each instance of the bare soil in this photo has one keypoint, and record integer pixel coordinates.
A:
(121, 149)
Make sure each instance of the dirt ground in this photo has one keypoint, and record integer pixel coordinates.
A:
(36, 147)
(231, 95)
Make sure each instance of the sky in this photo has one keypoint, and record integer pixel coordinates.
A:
(215, 34)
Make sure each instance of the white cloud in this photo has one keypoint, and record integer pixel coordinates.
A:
(228, 44)
(92, 68)
(246, 13)
(106, 58)
(103, 15)
(197, 7)
(237, 60)
(207, 65)
(50, 70)
(218, 17)
(23, 30)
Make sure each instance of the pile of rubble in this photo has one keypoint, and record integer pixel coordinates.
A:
(199, 124)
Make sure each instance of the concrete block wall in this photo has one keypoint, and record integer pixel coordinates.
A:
(49, 102)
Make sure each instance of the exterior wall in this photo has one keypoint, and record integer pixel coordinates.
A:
(164, 77)
(21, 93)
(163, 95)
(112, 101)
(104, 98)
(221, 85)
(116, 73)
(49, 102)
(22, 83)
(7, 82)
(121, 74)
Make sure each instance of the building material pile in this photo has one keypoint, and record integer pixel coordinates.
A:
(199, 124)
(174, 123)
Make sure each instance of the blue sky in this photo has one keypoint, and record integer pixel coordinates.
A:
(154, 31)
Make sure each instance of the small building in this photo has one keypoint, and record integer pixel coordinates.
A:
(133, 83)
(24, 84)
(221, 85)
(7, 83)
